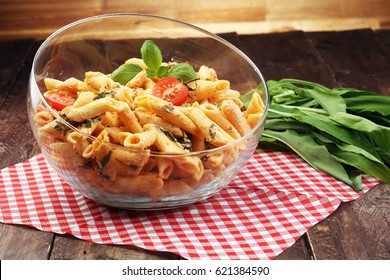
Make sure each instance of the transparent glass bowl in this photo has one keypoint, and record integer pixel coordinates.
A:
(102, 43)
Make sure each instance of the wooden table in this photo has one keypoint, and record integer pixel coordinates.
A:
(356, 230)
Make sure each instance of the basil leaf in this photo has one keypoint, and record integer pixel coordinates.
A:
(125, 73)
(184, 72)
(151, 73)
(151, 55)
(162, 71)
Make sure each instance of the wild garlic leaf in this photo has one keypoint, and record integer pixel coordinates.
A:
(313, 153)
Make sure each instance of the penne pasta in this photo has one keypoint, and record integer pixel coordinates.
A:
(129, 141)
(211, 131)
(175, 187)
(140, 140)
(113, 133)
(99, 81)
(167, 145)
(174, 115)
(137, 61)
(136, 185)
(91, 110)
(51, 84)
(84, 98)
(204, 89)
(165, 167)
(128, 118)
(133, 159)
(255, 110)
(138, 81)
(43, 117)
(111, 119)
(146, 117)
(219, 118)
(233, 113)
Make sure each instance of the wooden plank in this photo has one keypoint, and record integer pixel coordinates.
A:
(24, 243)
(357, 230)
(384, 37)
(17, 144)
(298, 251)
(39, 18)
(12, 56)
(228, 10)
(67, 247)
(357, 58)
(317, 10)
(13, 147)
(286, 55)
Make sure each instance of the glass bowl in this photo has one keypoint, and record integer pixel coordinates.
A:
(89, 151)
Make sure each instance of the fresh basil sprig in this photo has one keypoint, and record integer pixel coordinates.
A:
(152, 57)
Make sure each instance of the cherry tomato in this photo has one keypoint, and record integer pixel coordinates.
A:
(60, 100)
(172, 90)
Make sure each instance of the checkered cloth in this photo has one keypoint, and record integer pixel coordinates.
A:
(275, 199)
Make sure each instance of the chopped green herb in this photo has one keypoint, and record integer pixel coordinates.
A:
(168, 108)
(167, 133)
(86, 124)
(104, 94)
(58, 127)
(212, 131)
(105, 159)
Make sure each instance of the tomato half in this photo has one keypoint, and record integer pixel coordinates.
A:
(60, 100)
(172, 90)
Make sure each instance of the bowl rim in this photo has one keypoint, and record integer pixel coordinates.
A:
(155, 17)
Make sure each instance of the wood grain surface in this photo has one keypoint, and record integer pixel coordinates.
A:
(39, 18)
(356, 230)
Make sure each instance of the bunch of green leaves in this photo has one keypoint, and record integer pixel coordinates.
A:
(340, 131)
(152, 57)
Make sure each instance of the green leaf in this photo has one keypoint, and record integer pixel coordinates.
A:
(357, 150)
(332, 103)
(162, 71)
(344, 134)
(105, 159)
(351, 92)
(151, 55)
(183, 71)
(313, 153)
(369, 104)
(125, 73)
(349, 124)
(284, 124)
(288, 90)
(151, 73)
(373, 168)
(380, 134)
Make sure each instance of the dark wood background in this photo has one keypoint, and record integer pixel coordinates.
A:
(356, 230)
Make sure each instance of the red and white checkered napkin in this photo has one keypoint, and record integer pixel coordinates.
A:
(269, 205)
